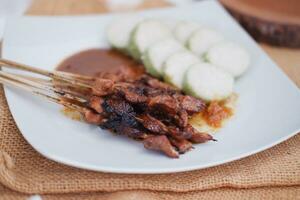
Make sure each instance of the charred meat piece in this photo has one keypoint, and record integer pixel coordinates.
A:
(95, 103)
(132, 94)
(148, 110)
(156, 88)
(181, 118)
(155, 83)
(161, 143)
(102, 87)
(198, 137)
(112, 123)
(181, 145)
(152, 124)
(129, 131)
(164, 102)
(190, 104)
(124, 125)
(169, 107)
(92, 117)
(179, 134)
(122, 119)
(118, 106)
(152, 92)
(116, 109)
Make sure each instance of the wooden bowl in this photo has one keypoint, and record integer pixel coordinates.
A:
(274, 22)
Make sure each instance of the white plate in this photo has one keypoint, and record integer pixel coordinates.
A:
(267, 114)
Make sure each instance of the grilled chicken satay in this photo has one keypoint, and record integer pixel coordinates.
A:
(144, 109)
(125, 121)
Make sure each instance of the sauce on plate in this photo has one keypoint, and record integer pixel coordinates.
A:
(100, 62)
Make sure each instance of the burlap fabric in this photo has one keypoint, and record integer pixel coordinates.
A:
(24, 170)
(274, 193)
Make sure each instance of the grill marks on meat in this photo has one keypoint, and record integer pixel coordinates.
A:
(122, 118)
(129, 131)
(153, 125)
(179, 134)
(148, 110)
(118, 106)
(182, 146)
(190, 104)
(170, 107)
(132, 94)
(165, 103)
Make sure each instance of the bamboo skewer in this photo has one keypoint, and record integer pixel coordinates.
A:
(67, 89)
(44, 88)
(39, 85)
(73, 79)
(39, 80)
(76, 76)
(35, 91)
(63, 86)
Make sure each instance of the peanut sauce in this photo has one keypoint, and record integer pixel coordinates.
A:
(100, 62)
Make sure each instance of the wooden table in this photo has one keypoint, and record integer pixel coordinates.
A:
(287, 59)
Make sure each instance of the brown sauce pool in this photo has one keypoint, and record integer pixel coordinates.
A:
(100, 62)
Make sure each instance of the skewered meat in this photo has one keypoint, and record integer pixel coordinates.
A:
(201, 138)
(96, 102)
(164, 102)
(155, 83)
(152, 92)
(175, 132)
(170, 108)
(129, 131)
(197, 137)
(149, 111)
(152, 124)
(102, 87)
(132, 94)
(181, 118)
(161, 143)
(124, 126)
(93, 117)
(118, 106)
(144, 109)
(190, 104)
(181, 145)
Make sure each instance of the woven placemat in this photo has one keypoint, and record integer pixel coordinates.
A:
(274, 193)
(23, 169)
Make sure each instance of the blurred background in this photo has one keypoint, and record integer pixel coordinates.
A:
(273, 22)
